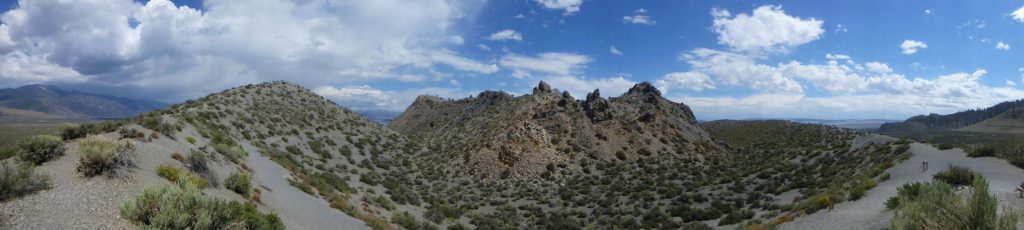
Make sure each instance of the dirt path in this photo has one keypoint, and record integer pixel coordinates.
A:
(297, 209)
(869, 212)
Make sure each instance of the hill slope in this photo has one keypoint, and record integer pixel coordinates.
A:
(54, 100)
(935, 122)
(495, 161)
(513, 138)
(634, 161)
(317, 165)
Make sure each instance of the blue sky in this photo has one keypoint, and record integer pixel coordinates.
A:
(733, 59)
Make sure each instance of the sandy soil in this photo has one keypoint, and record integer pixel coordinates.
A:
(870, 213)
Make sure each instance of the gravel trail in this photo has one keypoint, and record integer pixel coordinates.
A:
(869, 212)
(297, 209)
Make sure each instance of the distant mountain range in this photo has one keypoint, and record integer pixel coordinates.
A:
(1003, 117)
(72, 103)
(380, 116)
(860, 124)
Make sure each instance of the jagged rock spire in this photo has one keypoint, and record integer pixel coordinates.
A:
(542, 88)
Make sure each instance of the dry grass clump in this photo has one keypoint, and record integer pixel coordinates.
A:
(40, 149)
(19, 180)
(937, 205)
(101, 155)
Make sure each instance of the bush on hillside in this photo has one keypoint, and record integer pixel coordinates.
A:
(944, 146)
(938, 206)
(198, 162)
(984, 151)
(130, 133)
(70, 132)
(909, 191)
(175, 174)
(18, 180)
(241, 183)
(183, 206)
(957, 176)
(39, 149)
(98, 155)
(7, 152)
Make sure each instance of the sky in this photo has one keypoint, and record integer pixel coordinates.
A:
(725, 59)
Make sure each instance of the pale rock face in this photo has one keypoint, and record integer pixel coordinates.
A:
(522, 152)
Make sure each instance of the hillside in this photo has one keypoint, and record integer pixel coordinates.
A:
(310, 161)
(493, 161)
(1010, 121)
(633, 161)
(71, 103)
(935, 122)
(514, 138)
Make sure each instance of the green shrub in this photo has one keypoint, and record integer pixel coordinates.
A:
(406, 220)
(944, 146)
(938, 206)
(175, 174)
(376, 223)
(191, 140)
(232, 152)
(241, 183)
(98, 155)
(131, 133)
(197, 162)
(7, 152)
(39, 149)
(908, 190)
(857, 192)
(69, 132)
(736, 217)
(437, 213)
(381, 201)
(885, 177)
(183, 206)
(18, 180)
(956, 176)
(984, 151)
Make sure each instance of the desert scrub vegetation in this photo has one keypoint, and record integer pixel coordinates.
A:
(240, 183)
(7, 152)
(956, 176)
(100, 155)
(40, 149)
(21, 179)
(183, 206)
(983, 151)
(175, 174)
(70, 132)
(938, 205)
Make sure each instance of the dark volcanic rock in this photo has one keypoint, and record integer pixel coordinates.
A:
(542, 88)
(596, 107)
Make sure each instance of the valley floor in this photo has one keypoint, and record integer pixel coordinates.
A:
(870, 213)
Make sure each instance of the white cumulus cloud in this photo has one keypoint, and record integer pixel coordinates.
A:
(505, 35)
(694, 81)
(552, 63)
(766, 29)
(615, 51)
(1018, 14)
(910, 46)
(570, 6)
(1002, 46)
(157, 48)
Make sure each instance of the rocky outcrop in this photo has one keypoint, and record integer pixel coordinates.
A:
(521, 152)
(597, 107)
(509, 138)
(542, 88)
